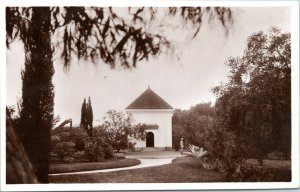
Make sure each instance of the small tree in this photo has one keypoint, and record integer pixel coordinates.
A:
(118, 126)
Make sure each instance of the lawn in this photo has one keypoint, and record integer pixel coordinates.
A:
(88, 166)
(281, 164)
(183, 169)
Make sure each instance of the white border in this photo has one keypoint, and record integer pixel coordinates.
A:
(295, 93)
(294, 5)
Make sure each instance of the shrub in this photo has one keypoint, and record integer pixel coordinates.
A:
(69, 159)
(131, 146)
(119, 155)
(78, 136)
(54, 140)
(93, 151)
(64, 136)
(254, 173)
(79, 144)
(65, 150)
(108, 152)
(97, 149)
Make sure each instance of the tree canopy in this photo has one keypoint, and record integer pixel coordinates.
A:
(253, 110)
(193, 125)
(97, 33)
(119, 126)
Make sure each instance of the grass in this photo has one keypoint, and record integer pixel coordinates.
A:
(280, 164)
(88, 166)
(183, 169)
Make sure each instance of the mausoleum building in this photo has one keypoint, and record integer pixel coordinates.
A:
(150, 109)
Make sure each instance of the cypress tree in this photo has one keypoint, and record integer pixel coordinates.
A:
(83, 122)
(90, 114)
(36, 115)
(87, 116)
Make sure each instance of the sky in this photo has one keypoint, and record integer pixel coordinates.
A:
(183, 79)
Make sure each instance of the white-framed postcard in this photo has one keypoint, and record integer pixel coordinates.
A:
(149, 95)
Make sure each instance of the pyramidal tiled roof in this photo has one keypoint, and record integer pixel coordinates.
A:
(149, 100)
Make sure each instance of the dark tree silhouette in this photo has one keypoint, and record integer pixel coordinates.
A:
(36, 114)
(90, 117)
(88, 33)
(83, 120)
(86, 121)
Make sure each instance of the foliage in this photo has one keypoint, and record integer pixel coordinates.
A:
(138, 131)
(36, 115)
(78, 136)
(69, 134)
(65, 150)
(89, 117)
(193, 125)
(83, 119)
(98, 149)
(10, 111)
(14, 116)
(54, 140)
(252, 173)
(118, 126)
(86, 120)
(96, 33)
(253, 110)
(108, 152)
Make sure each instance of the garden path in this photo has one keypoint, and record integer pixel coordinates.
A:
(148, 159)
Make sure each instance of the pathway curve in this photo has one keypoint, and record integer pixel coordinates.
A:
(148, 159)
(144, 163)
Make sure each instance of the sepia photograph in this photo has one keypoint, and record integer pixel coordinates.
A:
(199, 95)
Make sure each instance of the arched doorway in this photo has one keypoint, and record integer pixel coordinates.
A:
(149, 139)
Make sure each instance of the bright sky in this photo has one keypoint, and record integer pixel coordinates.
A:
(181, 82)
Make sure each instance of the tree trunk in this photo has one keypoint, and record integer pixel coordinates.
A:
(18, 167)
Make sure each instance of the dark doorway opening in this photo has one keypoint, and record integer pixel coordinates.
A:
(150, 139)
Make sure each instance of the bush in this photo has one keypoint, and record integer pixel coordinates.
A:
(131, 146)
(67, 134)
(78, 136)
(93, 151)
(65, 150)
(119, 155)
(79, 144)
(108, 152)
(254, 173)
(54, 140)
(97, 149)
(64, 136)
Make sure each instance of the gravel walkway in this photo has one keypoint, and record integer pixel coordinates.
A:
(144, 163)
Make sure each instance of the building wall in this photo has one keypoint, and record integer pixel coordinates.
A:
(161, 117)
